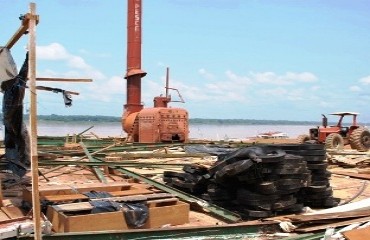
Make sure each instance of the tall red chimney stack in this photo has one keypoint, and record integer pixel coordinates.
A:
(134, 72)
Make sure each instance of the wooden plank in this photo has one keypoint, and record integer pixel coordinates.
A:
(81, 188)
(133, 191)
(176, 214)
(78, 196)
(33, 122)
(330, 216)
(13, 212)
(136, 198)
(95, 222)
(125, 156)
(84, 206)
(3, 216)
(13, 220)
(45, 79)
(64, 198)
(73, 207)
(169, 215)
(162, 202)
(1, 194)
(333, 225)
(354, 175)
(21, 30)
(11, 230)
(357, 234)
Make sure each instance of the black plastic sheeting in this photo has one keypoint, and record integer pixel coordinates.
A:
(67, 97)
(97, 195)
(225, 153)
(255, 153)
(210, 149)
(16, 139)
(136, 214)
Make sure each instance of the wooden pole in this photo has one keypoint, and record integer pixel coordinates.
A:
(44, 79)
(33, 123)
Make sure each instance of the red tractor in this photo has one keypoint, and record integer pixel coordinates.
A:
(335, 137)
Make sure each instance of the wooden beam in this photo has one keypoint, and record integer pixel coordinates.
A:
(333, 225)
(22, 29)
(351, 174)
(33, 123)
(64, 79)
(329, 216)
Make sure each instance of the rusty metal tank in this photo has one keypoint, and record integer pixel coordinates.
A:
(147, 125)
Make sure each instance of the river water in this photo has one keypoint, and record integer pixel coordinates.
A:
(197, 131)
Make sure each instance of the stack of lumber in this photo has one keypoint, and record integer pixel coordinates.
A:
(349, 158)
(14, 222)
(350, 220)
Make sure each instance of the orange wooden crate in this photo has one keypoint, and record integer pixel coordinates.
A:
(175, 214)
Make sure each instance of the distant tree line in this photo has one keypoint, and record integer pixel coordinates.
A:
(78, 118)
(249, 122)
(99, 118)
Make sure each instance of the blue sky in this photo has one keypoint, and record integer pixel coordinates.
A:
(246, 59)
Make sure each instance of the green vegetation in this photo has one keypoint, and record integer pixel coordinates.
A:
(249, 122)
(101, 119)
(194, 121)
(78, 118)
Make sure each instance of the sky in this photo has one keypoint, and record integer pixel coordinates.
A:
(230, 59)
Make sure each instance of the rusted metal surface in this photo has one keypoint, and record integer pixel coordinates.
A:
(163, 125)
(134, 72)
(150, 125)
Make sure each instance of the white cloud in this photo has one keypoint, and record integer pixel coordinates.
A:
(365, 80)
(242, 88)
(103, 88)
(53, 51)
(297, 95)
(315, 88)
(108, 90)
(236, 79)
(77, 62)
(204, 73)
(355, 89)
(57, 52)
(286, 79)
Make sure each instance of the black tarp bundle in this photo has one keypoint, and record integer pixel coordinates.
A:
(136, 214)
(16, 139)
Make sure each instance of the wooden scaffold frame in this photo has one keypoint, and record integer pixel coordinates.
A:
(29, 22)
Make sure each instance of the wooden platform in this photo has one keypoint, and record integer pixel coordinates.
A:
(73, 192)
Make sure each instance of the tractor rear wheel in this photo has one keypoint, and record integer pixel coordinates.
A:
(360, 139)
(334, 141)
(303, 138)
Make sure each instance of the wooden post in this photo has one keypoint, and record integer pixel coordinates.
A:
(33, 122)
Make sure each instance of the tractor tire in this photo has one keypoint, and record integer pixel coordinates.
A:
(303, 138)
(334, 141)
(360, 139)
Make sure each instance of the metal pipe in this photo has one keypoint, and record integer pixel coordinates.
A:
(134, 72)
(167, 81)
